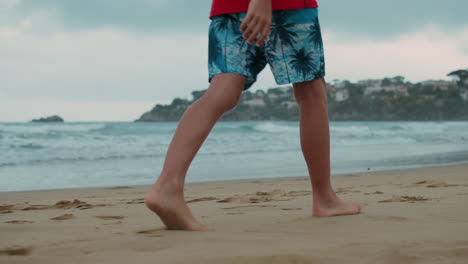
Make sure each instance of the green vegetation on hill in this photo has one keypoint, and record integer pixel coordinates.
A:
(381, 99)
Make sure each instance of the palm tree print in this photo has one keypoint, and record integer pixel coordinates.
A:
(315, 34)
(256, 61)
(214, 47)
(302, 61)
(283, 30)
(229, 25)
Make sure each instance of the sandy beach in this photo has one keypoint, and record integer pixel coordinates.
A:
(410, 216)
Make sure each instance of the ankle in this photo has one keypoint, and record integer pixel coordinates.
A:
(170, 182)
(168, 186)
(324, 196)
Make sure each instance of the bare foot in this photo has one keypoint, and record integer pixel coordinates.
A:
(168, 203)
(334, 206)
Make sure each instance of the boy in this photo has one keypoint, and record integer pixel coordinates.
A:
(244, 36)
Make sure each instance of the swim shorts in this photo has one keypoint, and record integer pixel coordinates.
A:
(293, 50)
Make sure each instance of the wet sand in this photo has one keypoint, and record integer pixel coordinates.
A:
(410, 216)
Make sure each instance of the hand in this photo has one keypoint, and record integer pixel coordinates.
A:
(257, 22)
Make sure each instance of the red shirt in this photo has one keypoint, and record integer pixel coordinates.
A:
(219, 7)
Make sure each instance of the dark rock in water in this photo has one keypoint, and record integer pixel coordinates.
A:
(54, 118)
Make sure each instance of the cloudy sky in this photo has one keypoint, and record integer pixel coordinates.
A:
(94, 60)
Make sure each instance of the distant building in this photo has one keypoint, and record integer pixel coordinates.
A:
(397, 89)
(256, 102)
(341, 94)
(290, 104)
(464, 94)
(440, 84)
(371, 86)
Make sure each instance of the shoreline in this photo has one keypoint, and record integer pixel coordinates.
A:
(256, 221)
(239, 180)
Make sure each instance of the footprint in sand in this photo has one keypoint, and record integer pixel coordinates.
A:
(64, 204)
(137, 201)
(19, 222)
(262, 196)
(410, 199)
(387, 218)
(63, 217)
(247, 206)
(157, 232)
(110, 217)
(291, 209)
(270, 259)
(6, 208)
(346, 190)
(435, 184)
(202, 199)
(377, 192)
(119, 187)
(258, 199)
(16, 251)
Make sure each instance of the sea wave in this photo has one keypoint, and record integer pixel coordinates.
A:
(30, 128)
(29, 146)
(274, 128)
(55, 160)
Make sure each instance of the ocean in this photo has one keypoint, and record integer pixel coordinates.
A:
(37, 156)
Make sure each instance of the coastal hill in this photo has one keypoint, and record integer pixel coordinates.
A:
(54, 118)
(373, 99)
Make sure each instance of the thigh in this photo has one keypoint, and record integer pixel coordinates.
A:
(229, 52)
(295, 48)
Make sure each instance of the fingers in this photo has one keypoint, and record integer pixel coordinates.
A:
(245, 22)
(255, 29)
(264, 35)
(249, 28)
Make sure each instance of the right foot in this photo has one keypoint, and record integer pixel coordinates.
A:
(171, 208)
(334, 206)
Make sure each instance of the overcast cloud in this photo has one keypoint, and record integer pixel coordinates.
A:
(59, 55)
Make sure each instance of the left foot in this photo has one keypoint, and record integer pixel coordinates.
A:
(334, 206)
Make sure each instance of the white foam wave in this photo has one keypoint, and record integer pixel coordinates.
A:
(274, 128)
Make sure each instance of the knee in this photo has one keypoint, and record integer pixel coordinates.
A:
(227, 103)
(308, 91)
(222, 102)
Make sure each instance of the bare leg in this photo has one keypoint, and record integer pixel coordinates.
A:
(166, 196)
(315, 142)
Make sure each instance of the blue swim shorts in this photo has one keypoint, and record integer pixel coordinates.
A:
(294, 48)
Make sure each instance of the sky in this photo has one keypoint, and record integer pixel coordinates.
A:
(112, 60)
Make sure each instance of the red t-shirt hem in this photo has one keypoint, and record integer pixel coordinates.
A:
(220, 7)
